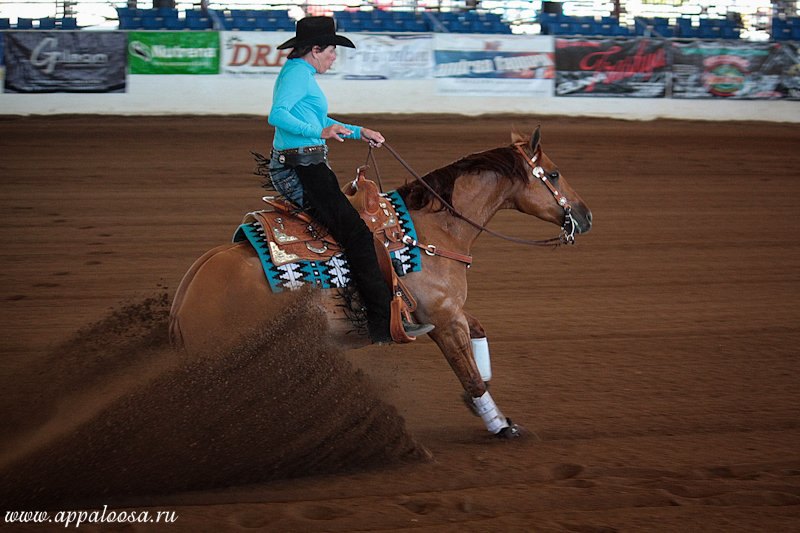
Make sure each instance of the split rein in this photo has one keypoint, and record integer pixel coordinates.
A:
(567, 235)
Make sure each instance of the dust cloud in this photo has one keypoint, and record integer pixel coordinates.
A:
(116, 412)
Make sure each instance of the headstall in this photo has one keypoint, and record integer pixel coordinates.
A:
(568, 228)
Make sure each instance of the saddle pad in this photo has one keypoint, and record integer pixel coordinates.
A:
(328, 274)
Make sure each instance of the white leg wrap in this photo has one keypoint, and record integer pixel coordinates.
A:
(480, 352)
(488, 411)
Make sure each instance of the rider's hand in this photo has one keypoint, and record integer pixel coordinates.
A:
(336, 131)
(374, 138)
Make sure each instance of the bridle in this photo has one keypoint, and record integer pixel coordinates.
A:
(568, 228)
(567, 235)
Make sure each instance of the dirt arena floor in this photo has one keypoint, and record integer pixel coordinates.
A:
(655, 363)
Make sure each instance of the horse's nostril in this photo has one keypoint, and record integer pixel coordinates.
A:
(588, 222)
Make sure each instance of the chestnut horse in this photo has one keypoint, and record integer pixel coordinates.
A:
(225, 294)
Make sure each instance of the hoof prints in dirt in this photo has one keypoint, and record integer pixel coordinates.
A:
(282, 404)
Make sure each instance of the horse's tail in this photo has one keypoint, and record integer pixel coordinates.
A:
(175, 335)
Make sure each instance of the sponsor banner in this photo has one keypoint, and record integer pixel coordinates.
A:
(387, 57)
(727, 69)
(173, 52)
(381, 57)
(493, 65)
(788, 57)
(64, 61)
(610, 67)
(247, 53)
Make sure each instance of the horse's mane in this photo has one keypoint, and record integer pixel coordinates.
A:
(503, 161)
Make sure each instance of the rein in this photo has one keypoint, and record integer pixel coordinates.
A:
(567, 235)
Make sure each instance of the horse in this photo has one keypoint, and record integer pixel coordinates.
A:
(225, 294)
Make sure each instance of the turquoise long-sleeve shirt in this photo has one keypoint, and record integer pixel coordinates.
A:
(300, 109)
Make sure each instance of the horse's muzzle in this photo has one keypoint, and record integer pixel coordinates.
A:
(585, 222)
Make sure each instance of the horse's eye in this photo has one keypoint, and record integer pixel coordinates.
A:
(554, 175)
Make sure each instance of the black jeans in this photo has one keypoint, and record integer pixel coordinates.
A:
(325, 201)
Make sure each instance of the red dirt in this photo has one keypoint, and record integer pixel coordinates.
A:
(656, 360)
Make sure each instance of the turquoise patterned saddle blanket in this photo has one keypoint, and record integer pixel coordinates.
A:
(326, 272)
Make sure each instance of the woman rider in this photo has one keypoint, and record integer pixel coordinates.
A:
(299, 167)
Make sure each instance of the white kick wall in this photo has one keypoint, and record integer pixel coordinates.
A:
(219, 95)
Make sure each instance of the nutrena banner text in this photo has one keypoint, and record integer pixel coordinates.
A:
(64, 62)
(173, 52)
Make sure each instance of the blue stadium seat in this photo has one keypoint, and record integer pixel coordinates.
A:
(129, 12)
(198, 20)
(730, 32)
(5, 24)
(129, 22)
(198, 23)
(174, 24)
(47, 23)
(621, 31)
(605, 29)
(152, 23)
(68, 23)
(24, 24)
(166, 12)
(782, 34)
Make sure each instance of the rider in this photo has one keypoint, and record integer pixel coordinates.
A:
(299, 166)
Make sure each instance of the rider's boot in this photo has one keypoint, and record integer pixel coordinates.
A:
(379, 333)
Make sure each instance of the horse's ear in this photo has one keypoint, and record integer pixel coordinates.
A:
(535, 138)
(517, 137)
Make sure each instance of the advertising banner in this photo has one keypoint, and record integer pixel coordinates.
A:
(787, 56)
(387, 57)
(64, 61)
(728, 69)
(248, 53)
(493, 65)
(173, 52)
(611, 67)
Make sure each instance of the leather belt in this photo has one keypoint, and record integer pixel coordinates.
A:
(302, 156)
(303, 150)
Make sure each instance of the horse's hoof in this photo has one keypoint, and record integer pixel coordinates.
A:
(512, 431)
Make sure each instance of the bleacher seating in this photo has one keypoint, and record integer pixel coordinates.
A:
(410, 21)
(472, 22)
(197, 20)
(552, 23)
(255, 20)
(24, 24)
(45, 24)
(381, 21)
(557, 24)
(707, 29)
(233, 19)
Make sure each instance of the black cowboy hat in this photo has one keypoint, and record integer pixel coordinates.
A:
(316, 30)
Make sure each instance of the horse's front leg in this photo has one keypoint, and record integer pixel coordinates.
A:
(456, 345)
(480, 348)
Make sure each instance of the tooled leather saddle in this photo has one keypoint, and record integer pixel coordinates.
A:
(293, 236)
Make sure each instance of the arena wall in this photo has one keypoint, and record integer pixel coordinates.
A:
(386, 74)
(206, 95)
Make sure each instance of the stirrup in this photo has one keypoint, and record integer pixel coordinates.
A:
(415, 330)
